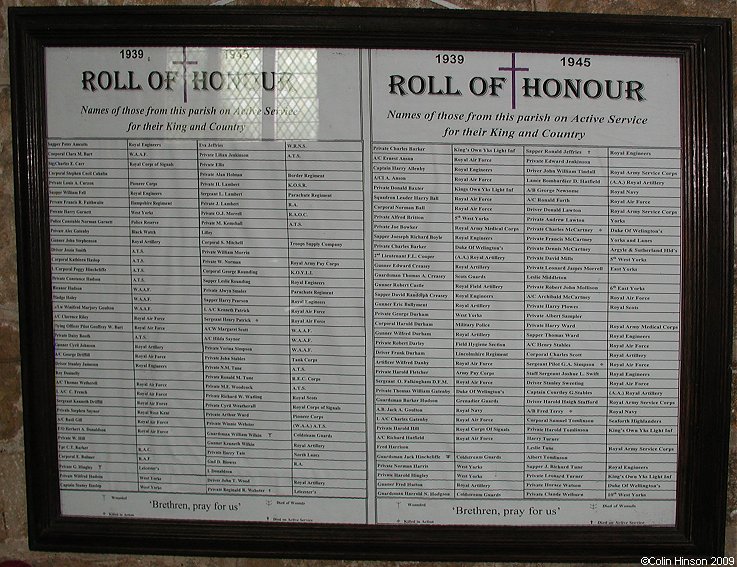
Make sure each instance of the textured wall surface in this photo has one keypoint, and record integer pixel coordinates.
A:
(13, 542)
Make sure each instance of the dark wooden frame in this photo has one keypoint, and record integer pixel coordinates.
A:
(703, 47)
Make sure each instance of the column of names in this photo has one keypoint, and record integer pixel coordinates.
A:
(223, 281)
(518, 402)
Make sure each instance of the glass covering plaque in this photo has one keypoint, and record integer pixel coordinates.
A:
(368, 286)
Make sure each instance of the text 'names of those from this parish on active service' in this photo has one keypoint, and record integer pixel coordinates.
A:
(365, 286)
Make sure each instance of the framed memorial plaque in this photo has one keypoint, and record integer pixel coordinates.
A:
(373, 284)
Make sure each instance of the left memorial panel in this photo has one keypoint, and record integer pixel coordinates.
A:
(208, 270)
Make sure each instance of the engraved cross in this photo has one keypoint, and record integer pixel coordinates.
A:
(184, 64)
(514, 70)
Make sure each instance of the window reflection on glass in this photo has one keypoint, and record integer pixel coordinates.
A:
(272, 92)
(244, 69)
(296, 100)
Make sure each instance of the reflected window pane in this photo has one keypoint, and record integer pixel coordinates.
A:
(296, 94)
(243, 68)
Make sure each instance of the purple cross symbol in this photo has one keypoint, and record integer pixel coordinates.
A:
(514, 70)
(184, 64)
